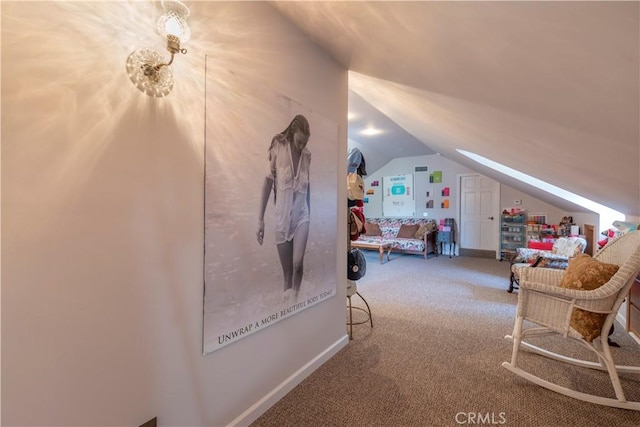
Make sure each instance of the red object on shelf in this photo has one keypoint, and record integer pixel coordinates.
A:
(546, 246)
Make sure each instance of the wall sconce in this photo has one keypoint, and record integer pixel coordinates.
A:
(147, 68)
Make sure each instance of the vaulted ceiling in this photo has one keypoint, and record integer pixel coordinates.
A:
(551, 89)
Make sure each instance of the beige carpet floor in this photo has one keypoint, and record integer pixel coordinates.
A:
(434, 354)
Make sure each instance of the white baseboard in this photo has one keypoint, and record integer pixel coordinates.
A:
(262, 405)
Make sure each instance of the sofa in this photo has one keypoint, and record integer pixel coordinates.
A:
(407, 235)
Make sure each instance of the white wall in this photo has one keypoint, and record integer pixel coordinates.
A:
(450, 170)
(102, 208)
(554, 214)
(406, 165)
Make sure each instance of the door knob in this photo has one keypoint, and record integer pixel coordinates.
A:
(491, 218)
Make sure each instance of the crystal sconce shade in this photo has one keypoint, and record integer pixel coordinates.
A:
(174, 21)
(147, 68)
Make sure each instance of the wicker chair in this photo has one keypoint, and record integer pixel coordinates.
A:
(563, 249)
(550, 307)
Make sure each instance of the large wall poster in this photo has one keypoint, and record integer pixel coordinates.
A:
(398, 196)
(254, 275)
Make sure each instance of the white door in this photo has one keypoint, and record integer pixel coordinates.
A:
(479, 213)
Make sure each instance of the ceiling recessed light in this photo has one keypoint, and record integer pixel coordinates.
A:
(370, 131)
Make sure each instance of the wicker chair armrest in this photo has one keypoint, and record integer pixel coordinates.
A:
(549, 276)
(557, 291)
(548, 289)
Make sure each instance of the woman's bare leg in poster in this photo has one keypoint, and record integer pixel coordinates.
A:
(299, 247)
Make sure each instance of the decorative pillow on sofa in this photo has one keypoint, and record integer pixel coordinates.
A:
(568, 246)
(586, 273)
(424, 228)
(407, 231)
(372, 229)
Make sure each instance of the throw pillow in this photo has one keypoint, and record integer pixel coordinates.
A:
(567, 246)
(420, 232)
(372, 229)
(586, 273)
(426, 228)
(407, 231)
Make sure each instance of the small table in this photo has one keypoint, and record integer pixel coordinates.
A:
(380, 245)
(446, 237)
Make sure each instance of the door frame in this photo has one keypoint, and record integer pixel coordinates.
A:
(496, 209)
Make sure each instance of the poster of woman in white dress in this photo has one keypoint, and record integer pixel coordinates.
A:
(270, 209)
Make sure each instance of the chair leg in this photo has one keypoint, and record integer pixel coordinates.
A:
(368, 308)
(606, 364)
(350, 319)
(513, 282)
(367, 312)
(517, 338)
(607, 358)
(570, 360)
(616, 403)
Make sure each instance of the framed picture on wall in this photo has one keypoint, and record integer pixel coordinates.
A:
(259, 204)
(397, 196)
(435, 177)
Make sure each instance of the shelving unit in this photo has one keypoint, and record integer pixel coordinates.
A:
(564, 230)
(533, 232)
(535, 222)
(512, 234)
(537, 218)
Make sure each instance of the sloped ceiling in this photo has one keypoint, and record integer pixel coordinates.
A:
(393, 142)
(551, 89)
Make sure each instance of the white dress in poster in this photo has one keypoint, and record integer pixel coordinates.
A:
(270, 208)
(397, 196)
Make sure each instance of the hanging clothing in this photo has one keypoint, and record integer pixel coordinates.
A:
(355, 162)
